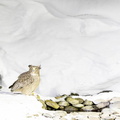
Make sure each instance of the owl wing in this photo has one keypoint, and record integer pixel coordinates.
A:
(23, 80)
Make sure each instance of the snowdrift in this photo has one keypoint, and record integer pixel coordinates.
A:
(77, 43)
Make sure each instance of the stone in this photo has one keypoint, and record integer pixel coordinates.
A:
(94, 118)
(87, 108)
(60, 113)
(62, 107)
(52, 104)
(62, 96)
(80, 100)
(43, 103)
(47, 115)
(115, 105)
(88, 103)
(63, 103)
(69, 109)
(72, 101)
(79, 105)
(95, 114)
(105, 115)
(74, 94)
(56, 118)
(74, 113)
(108, 118)
(73, 119)
(102, 104)
(62, 118)
(100, 101)
(117, 118)
(115, 99)
(79, 118)
(106, 111)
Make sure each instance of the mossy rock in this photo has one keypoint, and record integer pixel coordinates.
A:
(63, 103)
(74, 94)
(62, 108)
(88, 108)
(88, 103)
(80, 100)
(52, 104)
(62, 96)
(72, 101)
(69, 109)
(78, 105)
(43, 103)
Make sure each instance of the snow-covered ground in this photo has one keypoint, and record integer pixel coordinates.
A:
(21, 107)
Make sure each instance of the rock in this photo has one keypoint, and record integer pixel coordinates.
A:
(95, 114)
(72, 101)
(100, 101)
(62, 118)
(117, 118)
(49, 108)
(74, 113)
(73, 119)
(115, 105)
(88, 103)
(43, 103)
(63, 103)
(56, 118)
(62, 107)
(79, 105)
(74, 94)
(60, 113)
(105, 115)
(103, 105)
(52, 104)
(88, 108)
(115, 99)
(94, 118)
(47, 115)
(106, 111)
(69, 109)
(108, 118)
(62, 96)
(80, 100)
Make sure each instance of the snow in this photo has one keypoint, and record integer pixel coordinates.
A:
(22, 107)
(76, 42)
(17, 106)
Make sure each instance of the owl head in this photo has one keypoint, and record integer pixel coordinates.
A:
(34, 69)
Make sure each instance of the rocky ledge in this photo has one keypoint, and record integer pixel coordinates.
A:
(82, 109)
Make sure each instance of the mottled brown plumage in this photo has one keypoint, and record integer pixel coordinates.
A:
(28, 81)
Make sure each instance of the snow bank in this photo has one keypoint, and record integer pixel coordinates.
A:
(17, 106)
(76, 54)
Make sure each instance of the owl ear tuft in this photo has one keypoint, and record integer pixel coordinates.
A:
(40, 67)
(29, 65)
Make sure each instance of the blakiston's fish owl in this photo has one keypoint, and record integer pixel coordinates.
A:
(28, 81)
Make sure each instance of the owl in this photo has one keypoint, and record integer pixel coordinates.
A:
(27, 82)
